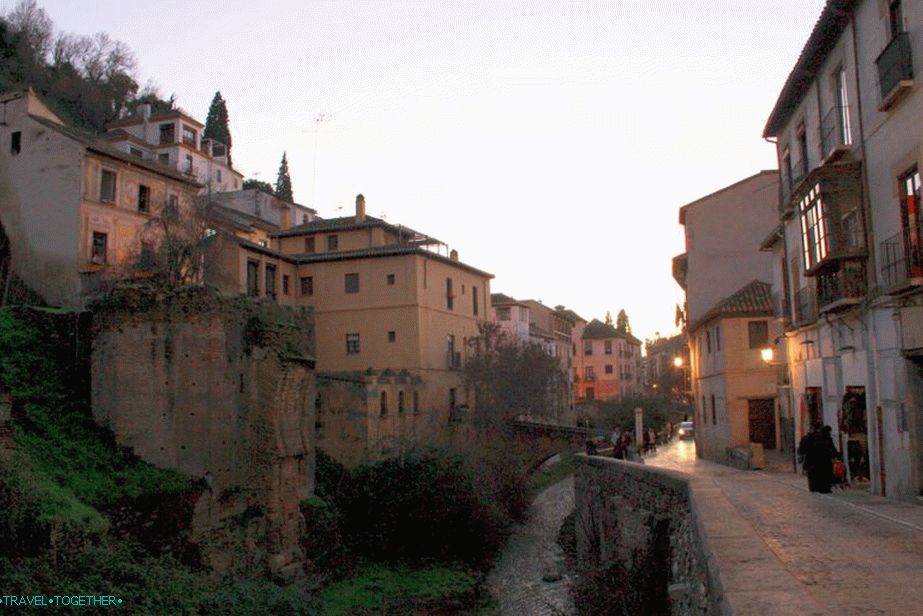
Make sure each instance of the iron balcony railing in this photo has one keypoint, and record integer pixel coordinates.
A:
(902, 260)
(845, 286)
(895, 64)
(834, 129)
(806, 306)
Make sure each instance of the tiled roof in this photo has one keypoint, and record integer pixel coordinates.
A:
(346, 223)
(91, 142)
(241, 220)
(500, 298)
(570, 315)
(392, 250)
(754, 299)
(830, 25)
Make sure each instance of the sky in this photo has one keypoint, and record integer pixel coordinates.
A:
(550, 142)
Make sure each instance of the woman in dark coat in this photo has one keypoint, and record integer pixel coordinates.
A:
(819, 453)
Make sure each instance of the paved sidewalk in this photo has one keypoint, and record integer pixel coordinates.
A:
(780, 549)
(531, 576)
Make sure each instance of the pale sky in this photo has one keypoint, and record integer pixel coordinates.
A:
(551, 143)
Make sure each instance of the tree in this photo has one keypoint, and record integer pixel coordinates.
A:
(216, 124)
(176, 244)
(260, 185)
(608, 318)
(621, 322)
(510, 379)
(284, 181)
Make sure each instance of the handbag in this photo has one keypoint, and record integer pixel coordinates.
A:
(839, 469)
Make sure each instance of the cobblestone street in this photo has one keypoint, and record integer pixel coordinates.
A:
(791, 551)
(531, 576)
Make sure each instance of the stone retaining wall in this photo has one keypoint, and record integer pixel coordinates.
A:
(642, 523)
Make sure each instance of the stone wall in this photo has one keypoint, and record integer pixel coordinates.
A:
(221, 390)
(637, 526)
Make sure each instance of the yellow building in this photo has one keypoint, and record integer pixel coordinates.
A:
(393, 317)
(74, 207)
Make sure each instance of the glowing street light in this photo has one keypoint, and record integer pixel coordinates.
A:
(678, 361)
(766, 355)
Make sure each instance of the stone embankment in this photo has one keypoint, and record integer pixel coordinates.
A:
(639, 541)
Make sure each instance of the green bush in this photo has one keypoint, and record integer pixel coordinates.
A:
(380, 590)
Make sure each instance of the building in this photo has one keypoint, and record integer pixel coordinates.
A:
(174, 139)
(607, 363)
(395, 321)
(72, 206)
(511, 316)
(848, 125)
(665, 367)
(727, 280)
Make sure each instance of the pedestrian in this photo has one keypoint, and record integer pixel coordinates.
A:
(652, 435)
(819, 453)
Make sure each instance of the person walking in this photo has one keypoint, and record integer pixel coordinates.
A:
(819, 453)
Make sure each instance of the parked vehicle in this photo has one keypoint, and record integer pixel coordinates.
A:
(686, 430)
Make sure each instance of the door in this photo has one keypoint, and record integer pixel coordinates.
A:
(763, 422)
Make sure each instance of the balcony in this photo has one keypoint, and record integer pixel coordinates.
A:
(902, 261)
(806, 306)
(835, 137)
(895, 71)
(843, 288)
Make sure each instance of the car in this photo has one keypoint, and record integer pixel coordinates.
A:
(686, 430)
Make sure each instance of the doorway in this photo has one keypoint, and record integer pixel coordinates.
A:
(763, 422)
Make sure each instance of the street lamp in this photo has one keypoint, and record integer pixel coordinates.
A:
(678, 361)
(767, 355)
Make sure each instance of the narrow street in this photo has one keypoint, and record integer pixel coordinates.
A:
(531, 576)
(844, 553)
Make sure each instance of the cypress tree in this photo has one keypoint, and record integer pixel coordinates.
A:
(216, 124)
(284, 181)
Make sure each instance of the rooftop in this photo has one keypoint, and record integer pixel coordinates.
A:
(753, 299)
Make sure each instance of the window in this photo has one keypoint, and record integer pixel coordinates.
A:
(589, 373)
(590, 393)
(474, 301)
(449, 296)
(503, 314)
(218, 175)
(842, 103)
(99, 248)
(167, 133)
(285, 284)
(587, 347)
(384, 403)
(16, 142)
(352, 344)
(400, 402)
(309, 244)
(333, 242)
(107, 186)
(802, 150)
(717, 338)
(607, 347)
(135, 152)
(253, 274)
(189, 168)
(708, 341)
(896, 17)
(163, 159)
(390, 280)
(271, 281)
(392, 336)
(416, 402)
(786, 170)
(813, 228)
(523, 315)
(911, 222)
(759, 334)
(352, 283)
(189, 135)
(714, 414)
(307, 285)
(608, 368)
(144, 198)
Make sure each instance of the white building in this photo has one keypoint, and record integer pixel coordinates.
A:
(849, 130)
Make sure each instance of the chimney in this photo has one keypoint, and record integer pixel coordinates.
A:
(360, 208)
(453, 255)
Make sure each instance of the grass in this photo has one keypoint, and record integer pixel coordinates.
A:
(377, 589)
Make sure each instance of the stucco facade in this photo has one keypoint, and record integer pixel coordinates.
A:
(72, 207)
(607, 362)
(849, 126)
